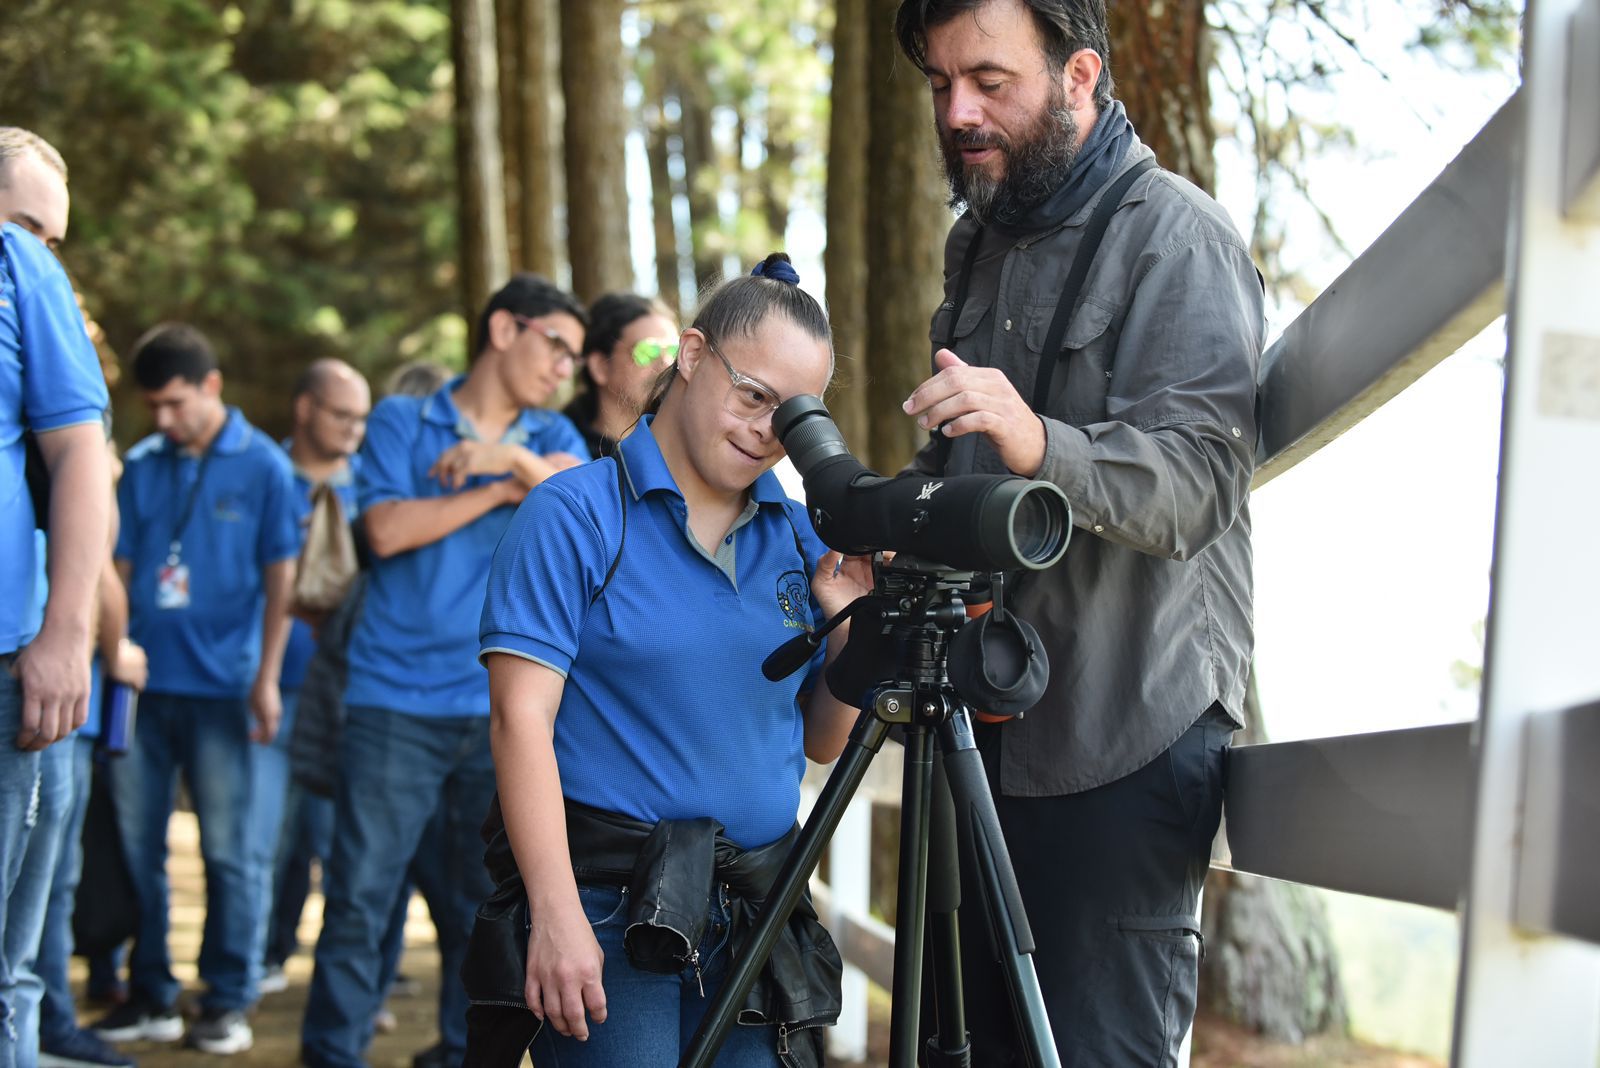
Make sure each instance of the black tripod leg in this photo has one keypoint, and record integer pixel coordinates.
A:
(865, 741)
(948, 1046)
(979, 829)
(911, 900)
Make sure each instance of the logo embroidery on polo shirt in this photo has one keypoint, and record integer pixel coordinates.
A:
(229, 509)
(794, 598)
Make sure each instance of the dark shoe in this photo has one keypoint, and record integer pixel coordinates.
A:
(108, 995)
(80, 1049)
(139, 1020)
(436, 1056)
(221, 1031)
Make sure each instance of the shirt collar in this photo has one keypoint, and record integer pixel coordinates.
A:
(647, 469)
(440, 409)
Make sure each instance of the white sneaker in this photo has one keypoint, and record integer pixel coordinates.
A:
(273, 980)
(221, 1031)
(135, 1021)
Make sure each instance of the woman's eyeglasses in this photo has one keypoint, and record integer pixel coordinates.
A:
(651, 349)
(747, 398)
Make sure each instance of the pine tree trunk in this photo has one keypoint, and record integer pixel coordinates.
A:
(906, 227)
(539, 135)
(700, 169)
(669, 283)
(1161, 59)
(596, 128)
(845, 257)
(509, 76)
(478, 169)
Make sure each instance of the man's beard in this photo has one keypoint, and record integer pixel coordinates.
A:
(1035, 166)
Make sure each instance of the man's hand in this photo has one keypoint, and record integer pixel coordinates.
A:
(961, 399)
(266, 705)
(130, 665)
(467, 458)
(54, 672)
(564, 968)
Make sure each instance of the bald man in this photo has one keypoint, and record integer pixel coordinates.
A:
(330, 405)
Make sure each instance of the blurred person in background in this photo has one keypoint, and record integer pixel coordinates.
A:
(629, 341)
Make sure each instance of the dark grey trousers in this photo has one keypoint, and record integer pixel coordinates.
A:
(1110, 879)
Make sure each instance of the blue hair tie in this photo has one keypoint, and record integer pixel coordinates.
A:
(777, 270)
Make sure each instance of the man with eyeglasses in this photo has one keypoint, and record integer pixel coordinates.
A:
(329, 408)
(439, 479)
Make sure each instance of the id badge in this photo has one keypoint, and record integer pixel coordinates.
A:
(172, 585)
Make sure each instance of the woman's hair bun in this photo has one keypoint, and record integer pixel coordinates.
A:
(778, 268)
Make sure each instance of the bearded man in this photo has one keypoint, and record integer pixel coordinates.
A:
(1101, 329)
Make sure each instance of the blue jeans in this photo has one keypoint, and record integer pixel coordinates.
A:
(651, 1018)
(269, 789)
(397, 770)
(208, 741)
(57, 1013)
(19, 810)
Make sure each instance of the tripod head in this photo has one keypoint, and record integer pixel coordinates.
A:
(918, 649)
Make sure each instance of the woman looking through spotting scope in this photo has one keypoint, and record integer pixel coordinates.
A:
(649, 776)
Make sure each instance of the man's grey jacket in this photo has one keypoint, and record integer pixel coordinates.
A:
(1151, 430)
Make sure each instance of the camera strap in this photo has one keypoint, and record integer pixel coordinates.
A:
(622, 506)
(1092, 235)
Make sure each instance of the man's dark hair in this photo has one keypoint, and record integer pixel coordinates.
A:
(172, 350)
(530, 296)
(1065, 26)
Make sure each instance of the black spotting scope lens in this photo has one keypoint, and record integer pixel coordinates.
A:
(965, 522)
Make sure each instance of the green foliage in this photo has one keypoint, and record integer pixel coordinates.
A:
(276, 171)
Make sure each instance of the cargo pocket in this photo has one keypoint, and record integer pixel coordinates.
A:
(1142, 999)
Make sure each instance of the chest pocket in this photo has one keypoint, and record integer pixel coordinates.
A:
(959, 334)
(1082, 376)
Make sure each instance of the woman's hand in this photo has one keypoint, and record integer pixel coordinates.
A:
(840, 579)
(564, 968)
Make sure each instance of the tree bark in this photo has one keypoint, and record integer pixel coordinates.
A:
(506, 17)
(539, 135)
(669, 280)
(596, 128)
(700, 170)
(906, 226)
(1163, 54)
(845, 255)
(478, 167)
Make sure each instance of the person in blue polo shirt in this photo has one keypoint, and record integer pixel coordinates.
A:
(631, 604)
(51, 387)
(329, 407)
(206, 550)
(440, 476)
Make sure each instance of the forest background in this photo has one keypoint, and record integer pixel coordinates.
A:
(307, 178)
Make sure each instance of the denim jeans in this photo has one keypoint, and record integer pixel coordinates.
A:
(307, 835)
(269, 789)
(651, 1018)
(47, 850)
(57, 1012)
(19, 810)
(208, 741)
(396, 770)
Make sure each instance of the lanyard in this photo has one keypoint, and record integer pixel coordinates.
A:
(175, 544)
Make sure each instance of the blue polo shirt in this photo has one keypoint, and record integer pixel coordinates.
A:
(243, 520)
(302, 642)
(49, 379)
(665, 713)
(414, 646)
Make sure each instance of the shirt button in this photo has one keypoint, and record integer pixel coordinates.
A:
(1237, 432)
(1008, 324)
(728, 540)
(1099, 529)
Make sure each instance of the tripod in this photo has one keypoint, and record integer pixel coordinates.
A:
(917, 606)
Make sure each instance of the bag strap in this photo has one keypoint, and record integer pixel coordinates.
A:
(622, 503)
(1092, 236)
